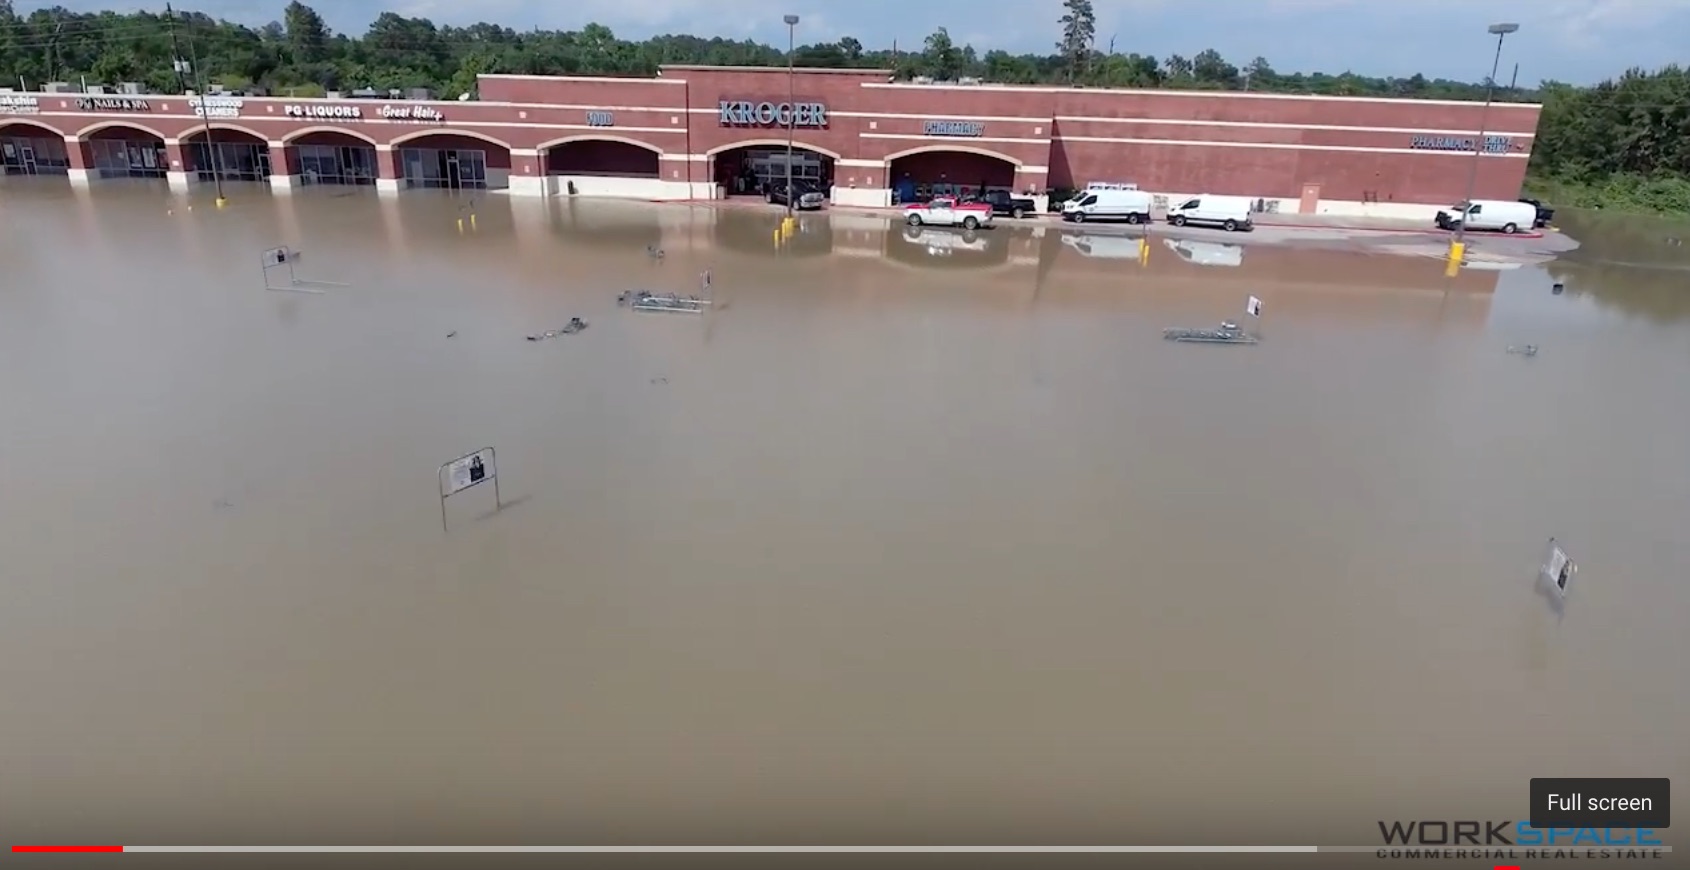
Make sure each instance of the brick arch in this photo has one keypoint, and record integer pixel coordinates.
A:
(965, 149)
(447, 131)
(28, 121)
(796, 146)
(293, 135)
(103, 125)
(625, 140)
(199, 130)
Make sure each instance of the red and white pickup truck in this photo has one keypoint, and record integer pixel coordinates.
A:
(945, 211)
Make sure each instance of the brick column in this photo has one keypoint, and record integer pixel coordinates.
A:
(76, 151)
(1036, 179)
(528, 173)
(284, 167)
(387, 170)
(180, 164)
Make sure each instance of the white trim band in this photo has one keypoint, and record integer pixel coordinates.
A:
(956, 140)
(1287, 146)
(1264, 125)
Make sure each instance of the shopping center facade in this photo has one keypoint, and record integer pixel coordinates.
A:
(709, 132)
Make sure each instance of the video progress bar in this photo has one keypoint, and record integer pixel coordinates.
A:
(1043, 850)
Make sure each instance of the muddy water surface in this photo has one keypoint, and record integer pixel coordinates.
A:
(917, 538)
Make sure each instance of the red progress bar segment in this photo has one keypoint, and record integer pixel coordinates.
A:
(67, 848)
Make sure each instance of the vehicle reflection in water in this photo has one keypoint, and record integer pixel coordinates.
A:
(1107, 247)
(928, 247)
(1200, 253)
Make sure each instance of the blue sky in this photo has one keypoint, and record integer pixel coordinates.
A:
(1571, 40)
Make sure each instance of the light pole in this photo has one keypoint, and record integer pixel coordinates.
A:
(1458, 245)
(791, 101)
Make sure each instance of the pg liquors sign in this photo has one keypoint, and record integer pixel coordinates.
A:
(750, 113)
(325, 113)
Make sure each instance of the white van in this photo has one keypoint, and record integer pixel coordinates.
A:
(1489, 214)
(1227, 212)
(1101, 204)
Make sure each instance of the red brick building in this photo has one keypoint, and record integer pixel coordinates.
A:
(706, 132)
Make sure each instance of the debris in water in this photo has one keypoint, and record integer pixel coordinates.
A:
(654, 252)
(575, 325)
(1557, 287)
(1523, 349)
(660, 380)
(452, 334)
(1229, 333)
(645, 300)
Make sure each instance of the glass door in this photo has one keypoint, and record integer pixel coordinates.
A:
(27, 153)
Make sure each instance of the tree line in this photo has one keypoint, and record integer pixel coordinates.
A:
(1624, 141)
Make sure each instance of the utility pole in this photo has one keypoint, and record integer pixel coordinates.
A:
(204, 109)
(1458, 243)
(791, 106)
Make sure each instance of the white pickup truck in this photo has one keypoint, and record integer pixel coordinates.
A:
(945, 211)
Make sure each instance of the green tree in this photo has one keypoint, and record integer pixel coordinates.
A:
(307, 36)
(941, 58)
(1079, 36)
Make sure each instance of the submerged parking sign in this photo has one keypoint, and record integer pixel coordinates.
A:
(466, 472)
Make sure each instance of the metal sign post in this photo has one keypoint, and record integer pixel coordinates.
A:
(467, 472)
(283, 258)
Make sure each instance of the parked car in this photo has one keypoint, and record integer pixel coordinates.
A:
(1488, 214)
(810, 198)
(1003, 203)
(945, 211)
(1545, 214)
(1227, 212)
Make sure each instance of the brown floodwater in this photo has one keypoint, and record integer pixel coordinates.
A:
(916, 538)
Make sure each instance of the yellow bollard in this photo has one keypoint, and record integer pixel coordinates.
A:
(460, 225)
(1457, 254)
(472, 220)
(221, 202)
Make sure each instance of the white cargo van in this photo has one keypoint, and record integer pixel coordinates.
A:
(1227, 212)
(1489, 214)
(1104, 204)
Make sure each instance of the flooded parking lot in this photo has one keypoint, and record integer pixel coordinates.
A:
(917, 537)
